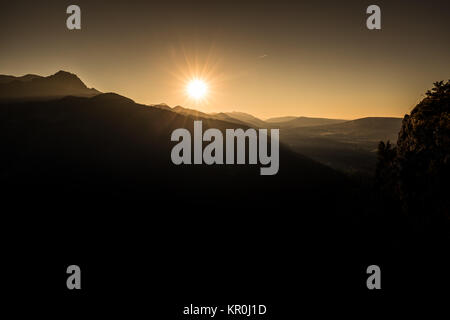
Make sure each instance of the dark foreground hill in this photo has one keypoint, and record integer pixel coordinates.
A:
(110, 142)
(102, 166)
(91, 179)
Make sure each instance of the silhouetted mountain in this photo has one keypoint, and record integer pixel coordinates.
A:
(346, 145)
(33, 87)
(110, 142)
(28, 77)
(417, 170)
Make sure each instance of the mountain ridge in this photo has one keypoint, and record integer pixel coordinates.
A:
(32, 87)
(324, 140)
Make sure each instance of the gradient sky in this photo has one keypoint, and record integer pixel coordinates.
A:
(267, 58)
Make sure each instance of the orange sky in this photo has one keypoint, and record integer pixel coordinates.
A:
(315, 59)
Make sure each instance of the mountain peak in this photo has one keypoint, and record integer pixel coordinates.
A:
(30, 86)
(62, 72)
(66, 76)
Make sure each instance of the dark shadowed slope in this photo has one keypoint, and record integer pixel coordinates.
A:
(74, 121)
(33, 87)
(108, 143)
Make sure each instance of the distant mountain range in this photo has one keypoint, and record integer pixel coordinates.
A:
(280, 119)
(247, 118)
(101, 137)
(297, 122)
(32, 87)
(347, 145)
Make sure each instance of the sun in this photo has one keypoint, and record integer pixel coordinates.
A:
(197, 89)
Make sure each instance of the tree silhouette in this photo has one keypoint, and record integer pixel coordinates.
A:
(416, 171)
